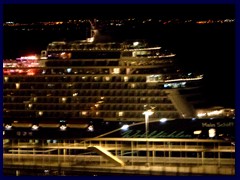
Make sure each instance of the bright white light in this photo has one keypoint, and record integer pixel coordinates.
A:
(135, 43)
(163, 120)
(148, 112)
(17, 85)
(116, 70)
(216, 112)
(91, 128)
(201, 114)
(120, 113)
(28, 57)
(69, 70)
(75, 94)
(63, 127)
(35, 127)
(197, 132)
(8, 127)
(84, 113)
(40, 113)
(125, 127)
(212, 133)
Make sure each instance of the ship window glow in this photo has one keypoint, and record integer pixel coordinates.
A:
(154, 78)
(133, 85)
(120, 113)
(17, 85)
(6, 79)
(40, 113)
(175, 85)
(107, 78)
(69, 70)
(64, 99)
(116, 70)
(125, 79)
(75, 94)
(35, 99)
(84, 113)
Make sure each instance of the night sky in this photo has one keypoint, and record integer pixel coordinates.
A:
(52, 12)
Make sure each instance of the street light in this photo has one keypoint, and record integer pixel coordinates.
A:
(147, 113)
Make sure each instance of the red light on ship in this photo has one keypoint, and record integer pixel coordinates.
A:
(31, 72)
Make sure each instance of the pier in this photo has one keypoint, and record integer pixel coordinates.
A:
(121, 156)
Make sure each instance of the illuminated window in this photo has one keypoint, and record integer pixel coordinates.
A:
(17, 85)
(35, 99)
(40, 113)
(107, 78)
(84, 113)
(69, 70)
(133, 85)
(154, 78)
(125, 79)
(6, 79)
(120, 113)
(64, 99)
(75, 94)
(116, 70)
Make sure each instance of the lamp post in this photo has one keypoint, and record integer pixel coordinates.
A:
(147, 113)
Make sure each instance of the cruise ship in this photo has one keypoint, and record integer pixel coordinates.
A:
(73, 84)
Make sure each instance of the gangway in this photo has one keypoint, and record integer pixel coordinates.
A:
(100, 150)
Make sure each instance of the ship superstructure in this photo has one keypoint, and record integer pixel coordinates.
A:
(86, 81)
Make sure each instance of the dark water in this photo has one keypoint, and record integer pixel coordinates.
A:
(209, 49)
